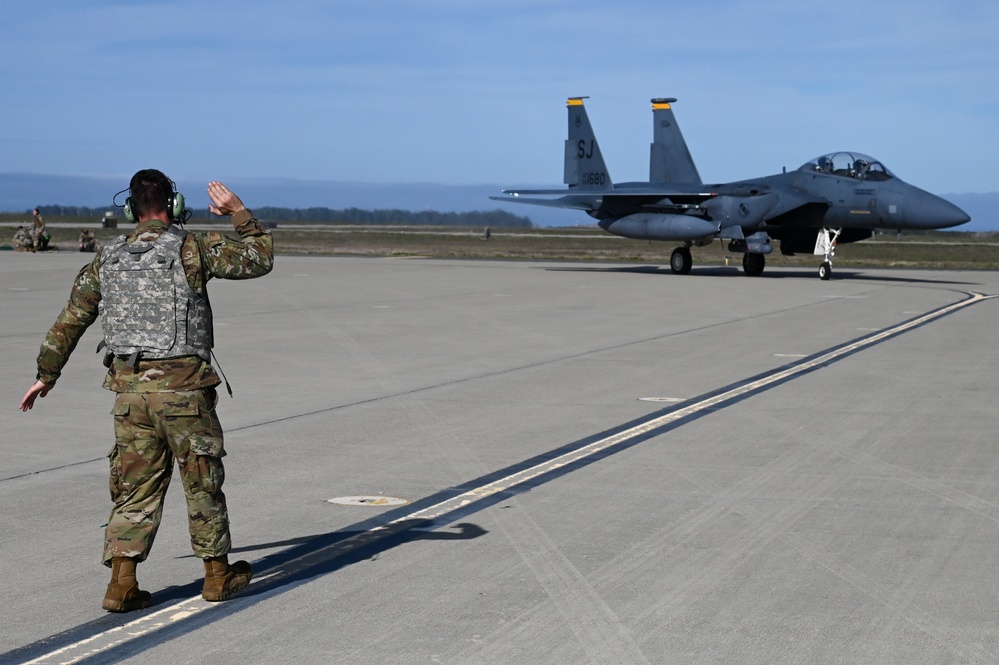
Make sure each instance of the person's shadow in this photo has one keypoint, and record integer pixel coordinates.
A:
(312, 556)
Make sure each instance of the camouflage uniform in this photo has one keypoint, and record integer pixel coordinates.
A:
(22, 240)
(88, 243)
(39, 234)
(165, 408)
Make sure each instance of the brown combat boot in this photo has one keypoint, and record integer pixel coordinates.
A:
(123, 594)
(223, 581)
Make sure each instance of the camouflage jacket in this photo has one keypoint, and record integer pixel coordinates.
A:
(22, 238)
(204, 257)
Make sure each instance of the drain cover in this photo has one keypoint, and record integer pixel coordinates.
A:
(367, 501)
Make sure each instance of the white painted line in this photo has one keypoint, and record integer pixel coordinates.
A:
(186, 608)
(525, 475)
(598, 446)
(115, 636)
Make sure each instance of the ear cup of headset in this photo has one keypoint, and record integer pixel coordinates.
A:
(129, 215)
(175, 206)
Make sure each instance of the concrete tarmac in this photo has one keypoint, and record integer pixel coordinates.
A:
(594, 464)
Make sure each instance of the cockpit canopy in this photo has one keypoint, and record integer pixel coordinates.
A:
(849, 165)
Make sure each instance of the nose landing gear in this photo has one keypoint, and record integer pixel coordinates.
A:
(825, 245)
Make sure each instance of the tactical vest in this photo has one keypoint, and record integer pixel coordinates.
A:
(148, 307)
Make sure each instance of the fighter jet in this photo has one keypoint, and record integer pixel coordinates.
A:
(840, 197)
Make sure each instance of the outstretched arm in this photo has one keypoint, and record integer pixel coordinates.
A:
(251, 256)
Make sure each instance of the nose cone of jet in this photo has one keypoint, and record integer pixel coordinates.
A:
(927, 211)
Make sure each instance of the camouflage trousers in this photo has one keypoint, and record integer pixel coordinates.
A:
(151, 430)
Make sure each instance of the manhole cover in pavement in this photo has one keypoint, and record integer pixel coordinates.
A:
(368, 501)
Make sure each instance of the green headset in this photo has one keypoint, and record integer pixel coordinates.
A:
(175, 206)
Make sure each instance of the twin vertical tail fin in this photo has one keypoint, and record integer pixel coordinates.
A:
(670, 160)
(584, 165)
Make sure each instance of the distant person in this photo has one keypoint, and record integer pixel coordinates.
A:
(88, 243)
(23, 241)
(158, 350)
(39, 234)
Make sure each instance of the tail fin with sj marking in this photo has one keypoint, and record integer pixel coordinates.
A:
(670, 160)
(584, 165)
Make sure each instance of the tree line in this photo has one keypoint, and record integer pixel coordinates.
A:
(491, 218)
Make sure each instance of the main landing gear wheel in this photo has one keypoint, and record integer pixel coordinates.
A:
(680, 261)
(753, 264)
(825, 270)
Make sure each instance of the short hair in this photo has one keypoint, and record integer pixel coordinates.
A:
(150, 191)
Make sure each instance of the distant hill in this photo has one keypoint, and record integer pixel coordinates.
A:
(21, 192)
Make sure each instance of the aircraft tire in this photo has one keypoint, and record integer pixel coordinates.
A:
(825, 271)
(753, 264)
(680, 261)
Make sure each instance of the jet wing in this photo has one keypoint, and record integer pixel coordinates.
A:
(571, 202)
(624, 190)
(784, 207)
(621, 199)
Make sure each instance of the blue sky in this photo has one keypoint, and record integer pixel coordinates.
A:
(473, 92)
